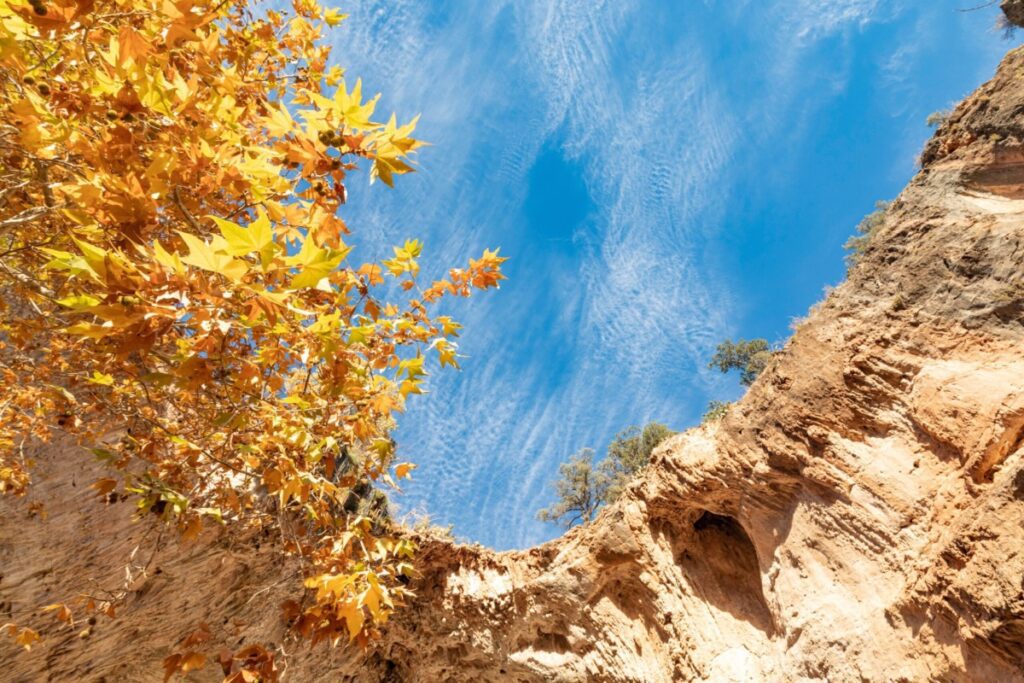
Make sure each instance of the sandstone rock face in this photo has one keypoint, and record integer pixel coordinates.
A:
(858, 516)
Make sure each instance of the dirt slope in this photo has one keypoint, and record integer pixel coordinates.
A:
(858, 516)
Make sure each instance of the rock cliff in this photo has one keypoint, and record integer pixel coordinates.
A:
(859, 515)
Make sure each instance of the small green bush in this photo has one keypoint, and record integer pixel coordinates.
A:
(716, 411)
(584, 486)
(750, 357)
(866, 229)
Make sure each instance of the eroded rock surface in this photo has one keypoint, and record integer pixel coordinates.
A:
(859, 515)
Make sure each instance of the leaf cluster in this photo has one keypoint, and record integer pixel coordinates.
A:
(179, 289)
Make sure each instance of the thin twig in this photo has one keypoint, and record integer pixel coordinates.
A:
(28, 215)
(974, 9)
(44, 179)
(181, 207)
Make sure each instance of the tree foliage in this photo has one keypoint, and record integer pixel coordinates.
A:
(179, 289)
(628, 453)
(866, 229)
(937, 118)
(584, 486)
(750, 357)
(716, 410)
(581, 489)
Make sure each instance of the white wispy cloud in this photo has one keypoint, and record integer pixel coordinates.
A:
(573, 350)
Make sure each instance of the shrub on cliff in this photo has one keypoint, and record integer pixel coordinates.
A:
(580, 490)
(584, 486)
(750, 357)
(937, 118)
(628, 453)
(716, 410)
(866, 229)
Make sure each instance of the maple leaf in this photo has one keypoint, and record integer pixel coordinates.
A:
(279, 121)
(333, 17)
(203, 255)
(63, 613)
(351, 109)
(132, 47)
(101, 378)
(258, 236)
(79, 301)
(314, 263)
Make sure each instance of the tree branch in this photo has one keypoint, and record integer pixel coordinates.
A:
(184, 212)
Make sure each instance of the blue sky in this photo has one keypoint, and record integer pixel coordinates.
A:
(663, 175)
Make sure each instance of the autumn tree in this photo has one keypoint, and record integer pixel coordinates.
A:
(750, 357)
(180, 290)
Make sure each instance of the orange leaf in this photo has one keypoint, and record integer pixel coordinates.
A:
(131, 45)
(193, 661)
(171, 666)
(104, 486)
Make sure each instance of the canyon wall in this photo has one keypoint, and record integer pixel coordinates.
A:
(859, 515)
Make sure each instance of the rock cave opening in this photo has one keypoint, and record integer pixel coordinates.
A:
(721, 560)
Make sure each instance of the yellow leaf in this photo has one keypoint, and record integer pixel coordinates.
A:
(349, 106)
(334, 76)
(409, 387)
(192, 661)
(101, 378)
(403, 470)
(446, 352)
(242, 241)
(26, 638)
(371, 599)
(202, 255)
(104, 486)
(64, 393)
(168, 260)
(412, 367)
(78, 301)
(63, 613)
(315, 263)
(353, 616)
(279, 122)
(333, 17)
(156, 92)
(94, 256)
(90, 330)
